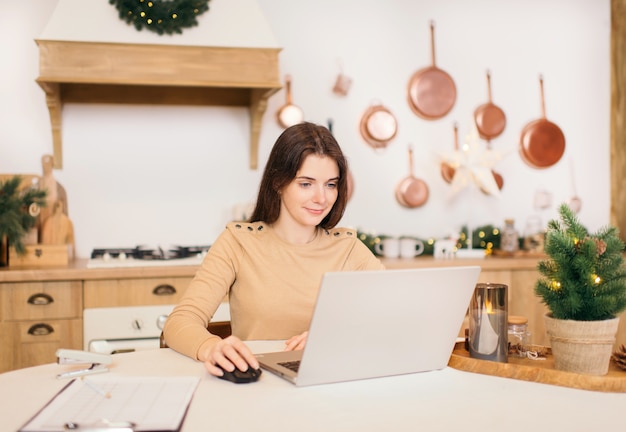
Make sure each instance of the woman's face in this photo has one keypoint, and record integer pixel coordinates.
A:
(310, 196)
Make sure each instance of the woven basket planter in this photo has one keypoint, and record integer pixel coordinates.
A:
(581, 346)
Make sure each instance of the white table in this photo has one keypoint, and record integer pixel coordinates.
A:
(444, 400)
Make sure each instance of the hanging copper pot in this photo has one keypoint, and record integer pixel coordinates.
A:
(378, 126)
(489, 118)
(289, 114)
(448, 171)
(542, 142)
(432, 92)
(412, 192)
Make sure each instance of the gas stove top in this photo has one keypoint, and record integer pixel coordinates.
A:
(141, 256)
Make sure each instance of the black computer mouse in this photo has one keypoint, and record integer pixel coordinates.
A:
(239, 377)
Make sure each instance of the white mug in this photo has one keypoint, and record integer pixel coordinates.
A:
(410, 247)
(388, 247)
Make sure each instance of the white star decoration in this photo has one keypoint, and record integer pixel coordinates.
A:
(473, 164)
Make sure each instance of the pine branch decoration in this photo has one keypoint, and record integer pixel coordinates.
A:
(15, 218)
(161, 16)
(584, 279)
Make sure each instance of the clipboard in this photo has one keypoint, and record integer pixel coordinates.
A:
(99, 404)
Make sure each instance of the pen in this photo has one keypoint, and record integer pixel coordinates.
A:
(97, 389)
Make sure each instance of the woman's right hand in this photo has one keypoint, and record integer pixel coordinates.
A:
(229, 353)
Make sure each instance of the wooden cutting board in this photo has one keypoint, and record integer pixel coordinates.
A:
(57, 228)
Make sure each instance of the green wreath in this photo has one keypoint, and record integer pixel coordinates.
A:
(161, 16)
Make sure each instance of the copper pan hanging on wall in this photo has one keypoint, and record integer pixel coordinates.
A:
(378, 126)
(447, 170)
(488, 117)
(289, 114)
(412, 192)
(432, 92)
(542, 142)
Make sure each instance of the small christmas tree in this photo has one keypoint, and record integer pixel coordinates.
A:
(584, 278)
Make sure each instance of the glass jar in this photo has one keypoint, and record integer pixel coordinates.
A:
(509, 238)
(534, 234)
(518, 335)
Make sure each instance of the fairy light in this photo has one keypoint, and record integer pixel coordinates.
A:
(555, 285)
(596, 279)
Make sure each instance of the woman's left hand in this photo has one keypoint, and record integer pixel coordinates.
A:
(296, 342)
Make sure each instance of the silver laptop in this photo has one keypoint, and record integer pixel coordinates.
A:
(369, 324)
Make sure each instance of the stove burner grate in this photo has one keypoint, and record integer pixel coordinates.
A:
(143, 253)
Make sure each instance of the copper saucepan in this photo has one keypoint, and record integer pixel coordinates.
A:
(289, 114)
(448, 171)
(432, 92)
(378, 126)
(542, 142)
(411, 192)
(489, 118)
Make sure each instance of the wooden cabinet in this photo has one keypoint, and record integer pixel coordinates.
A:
(134, 292)
(37, 318)
(41, 309)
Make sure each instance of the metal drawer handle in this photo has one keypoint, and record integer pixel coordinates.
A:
(165, 289)
(40, 299)
(40, 329)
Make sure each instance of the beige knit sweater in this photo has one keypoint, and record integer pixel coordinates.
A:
(272, 285)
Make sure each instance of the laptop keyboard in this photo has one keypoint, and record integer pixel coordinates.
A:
(291, 365)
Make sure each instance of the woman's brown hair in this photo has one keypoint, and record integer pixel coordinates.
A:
(290, 150)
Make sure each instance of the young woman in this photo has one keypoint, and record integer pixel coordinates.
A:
(271, 267)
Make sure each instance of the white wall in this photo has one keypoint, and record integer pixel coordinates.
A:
(164, 175)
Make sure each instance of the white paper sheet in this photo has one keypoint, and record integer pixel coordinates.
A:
(150, 403)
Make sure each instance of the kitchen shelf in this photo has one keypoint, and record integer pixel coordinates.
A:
(93, 72)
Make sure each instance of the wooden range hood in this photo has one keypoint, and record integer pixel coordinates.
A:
(94, 72)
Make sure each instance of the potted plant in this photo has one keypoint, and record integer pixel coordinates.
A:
(583, 285)
(18, 214)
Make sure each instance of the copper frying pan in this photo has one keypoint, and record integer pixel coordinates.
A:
(289, 114)
(447, 171)
(378, 126)
(542, 142)
(489, 118)
(411, 192)
(432, 92)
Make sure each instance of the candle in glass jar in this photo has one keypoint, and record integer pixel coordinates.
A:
(488, 332)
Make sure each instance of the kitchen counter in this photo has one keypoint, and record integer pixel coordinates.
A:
(75, 287)
(77, 269)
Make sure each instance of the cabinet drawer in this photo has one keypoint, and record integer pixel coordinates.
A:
(41, 300)
(31, 343)
(134, 292)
